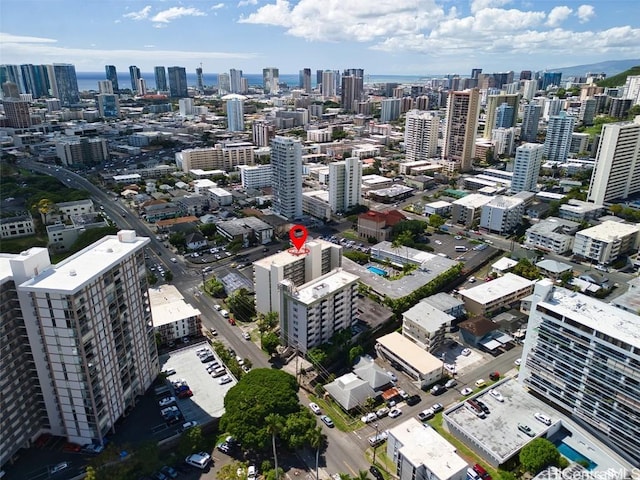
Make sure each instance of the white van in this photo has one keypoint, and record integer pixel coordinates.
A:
(224, 313)
(461, 248)
(199, 460)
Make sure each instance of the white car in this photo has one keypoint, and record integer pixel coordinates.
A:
(466, 391)
(167, 401)
(246, 336)
(395, 412)
(188, 425)
(403, 394)
(541, 417)
(496, 394)
(382, 412)
(466, 352)
(239, 360)
(517, 362)
(369, 417)
(315, 408)
(59, 467)
(217, 307)
(251, 472)
(438, 242)
(392, 375)
(224, 380)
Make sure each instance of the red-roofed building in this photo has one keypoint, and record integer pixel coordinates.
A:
(378, 224)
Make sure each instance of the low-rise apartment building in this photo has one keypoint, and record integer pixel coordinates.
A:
(173, 318)
(426, 326)
(579, 211)
(489, 297)
(606, 242)
(467, 210)
(502, 214)
(552, 234)
(14, 227)
(247, 230)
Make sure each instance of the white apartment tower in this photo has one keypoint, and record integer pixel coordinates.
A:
(286, 165)
(89, 339)
(312, 313)
(616, 174)
(558, 140)
(583, 356)
(329, 83)
(421, 135)
(461, 125)
(345, 179)
(526, 167)
(300, 269)
(235, 112)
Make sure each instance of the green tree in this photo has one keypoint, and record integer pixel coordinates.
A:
(538, 454)
(526, 269)
(208, 229)
(267, 322)
(90, 473)
(214, 287)
(316, 441)
(362, 475)
(168, 275)
(178, 240)
(241, 304)
(190, 441)
(354, 353)
(616, 209)
(317, 356)
(436, 221)
(146, 458)
(274, 425)
(270, 343)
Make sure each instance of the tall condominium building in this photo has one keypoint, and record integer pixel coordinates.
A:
(112, 75)
(223, 156)
(421, 135)
(632, 89)
(329, 85)
(345, 179)
(530, 121)
(286, 161)
(352, 88)
(224, 83)
(185, 107)
(142, 87)
(616, 174)
(529, 89)
(305, 80)
(505, 116)
(235, 80)
(551, 107)
(300, 269)
(461, 125)
(587, 111)
(558, 139)
(77, 338)
(199, 80)
(36, 80)
(255, 176)
(527, 167)
(583, 356)
(312, 313)
(10, 90)
(551, 79)
(271, 80)
(263, 132)
(390, 109)
(235, 112)
(66, 84)
(134, 74)
(160, 75)
(82, 150)
(17, 113)
(108, 105)
(178, 82)
(493, 103)
(105, 86)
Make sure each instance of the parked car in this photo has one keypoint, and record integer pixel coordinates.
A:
(438, 390)
(185, 394)
(327, 421)
(246, 336)
(169, 471)
(426, 414)
(451, 383)
(466, 352)
(526, 430)
(315, 408)
(466, 391)
(496, 394)
(369, 417)
(382, 412)
(392, 375)
(167, 401)
(224, 380)
(494, 376)
(517, 362)
(377, 474)
(199, 460)
(59, 467)
(541, 417)
(483, 406)
(480, 383)
(395, 412)
(413, 400)
(437, 407)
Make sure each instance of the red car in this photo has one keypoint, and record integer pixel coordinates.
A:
(185, 394)
(482, 472)
(232, 321)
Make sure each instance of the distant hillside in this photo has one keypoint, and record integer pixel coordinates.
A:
(610, 67)
(620, 78)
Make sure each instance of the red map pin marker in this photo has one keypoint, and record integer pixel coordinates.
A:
(298, 235)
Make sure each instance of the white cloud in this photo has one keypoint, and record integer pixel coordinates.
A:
(363, 21)
(149, 46)
(557, 15)
(585, 13)
(9, 38)
(173, 13)
(217, 6)
(140, 15)
(477, 5)
(245, 3)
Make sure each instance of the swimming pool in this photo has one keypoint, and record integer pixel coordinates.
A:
(573, 455)
(377, 271)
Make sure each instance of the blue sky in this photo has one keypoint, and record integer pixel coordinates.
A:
(382, 36)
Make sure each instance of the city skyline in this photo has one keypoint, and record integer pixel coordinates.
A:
(409, 37)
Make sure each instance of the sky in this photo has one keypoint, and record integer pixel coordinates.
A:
(400, 37)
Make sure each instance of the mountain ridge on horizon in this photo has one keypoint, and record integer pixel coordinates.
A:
(609, 67)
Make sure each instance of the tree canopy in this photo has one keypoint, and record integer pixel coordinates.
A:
(258, 394)
(539, 454)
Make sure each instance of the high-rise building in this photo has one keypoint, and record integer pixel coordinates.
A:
(461, 124)
(82, 150)
(112, 75)
(616, 174)
(263, 132)
(345, 178)
(390, 109)
(10, 90)
(105, 86)
(134, 74)
(185, 107)
(505, 116)
(526, 167)
(66, 84)
(224, 83)
(142, 87)
(13, 73)
(312, 313)
(271, 80)
(160, 74)
(235, 112)
(319, 77)
(108, 105)
(421, 135)
(587, 111)
(475, 72)
(530, 121)
(552, 106)
(36, 80)
(551, 79)
(235, 78)
(300, 269)
(583, 356)
(632, 89)
(17, 113)
(352, 88)
(177, 82)
(286, 161)
(558, 139)
(77, 338)
(199, 80)
(329, 87)
(529, 89)
(305, 80)
(493, 102)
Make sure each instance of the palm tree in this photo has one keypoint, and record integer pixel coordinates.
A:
(274, 423)
(316, 440)
(362, 475)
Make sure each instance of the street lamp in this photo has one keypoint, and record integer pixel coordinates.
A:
(442, 357)
(375, 444)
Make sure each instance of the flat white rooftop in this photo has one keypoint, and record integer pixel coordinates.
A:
(496, 289)
(473, 200)
(285, 258)
(422, 445)
(416, 357)
(324, 286)
(427, 316)
(609, 231)
(168, 305)
(79, 269)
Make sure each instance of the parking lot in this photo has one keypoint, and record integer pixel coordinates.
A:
(207, 401)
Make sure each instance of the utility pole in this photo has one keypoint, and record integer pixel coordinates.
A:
(375, 444)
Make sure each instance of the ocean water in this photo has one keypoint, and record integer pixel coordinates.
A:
(89, 80)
